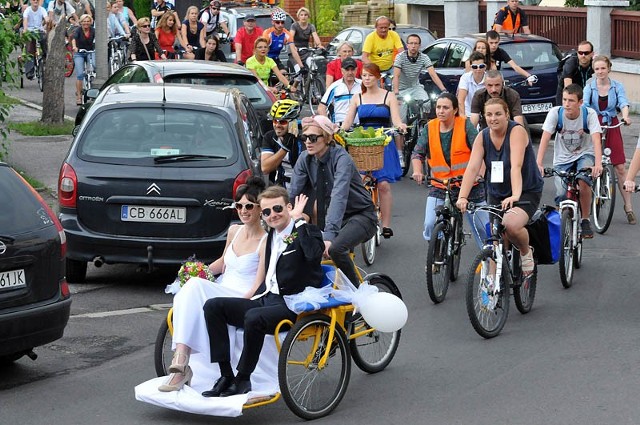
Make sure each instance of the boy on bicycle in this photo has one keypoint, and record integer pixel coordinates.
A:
(34, 19)
(577, 146)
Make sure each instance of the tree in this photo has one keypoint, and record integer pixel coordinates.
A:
(9, 39)
(53, 83)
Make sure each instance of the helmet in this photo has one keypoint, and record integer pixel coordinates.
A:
(285, 109)
(278, 15)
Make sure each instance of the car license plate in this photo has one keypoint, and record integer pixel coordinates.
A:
(147, 214)
(533, 108)
(13, 279)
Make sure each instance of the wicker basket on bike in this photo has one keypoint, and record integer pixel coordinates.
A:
(366, 147)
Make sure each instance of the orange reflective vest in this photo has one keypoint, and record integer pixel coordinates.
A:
(508, 25)
(460, 152)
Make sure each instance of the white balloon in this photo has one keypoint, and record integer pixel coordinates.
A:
(384, 311)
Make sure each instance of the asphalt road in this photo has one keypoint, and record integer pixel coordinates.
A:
(573, 359)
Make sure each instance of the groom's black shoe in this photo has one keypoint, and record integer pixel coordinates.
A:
(222, 384)
(238, 387)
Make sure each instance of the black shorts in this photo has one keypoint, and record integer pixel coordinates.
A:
(532, 197)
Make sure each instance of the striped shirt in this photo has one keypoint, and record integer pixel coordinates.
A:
(411, 71)
(340, 96)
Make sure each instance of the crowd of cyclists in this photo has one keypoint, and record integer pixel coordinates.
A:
(477, 133)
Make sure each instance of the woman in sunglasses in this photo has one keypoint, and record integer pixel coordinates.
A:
(471, 82)
(262, 65)
(345, 212)
(144, 43)
(239, 265)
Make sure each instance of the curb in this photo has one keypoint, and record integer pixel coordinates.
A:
(37, 107)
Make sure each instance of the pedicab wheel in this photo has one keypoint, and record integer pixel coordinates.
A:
(487, 309)
(369, 250)
(163, 354)
(374, 351)
(312, 389)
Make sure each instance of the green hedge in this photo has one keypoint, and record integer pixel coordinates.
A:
(142, 8)
(326, 15)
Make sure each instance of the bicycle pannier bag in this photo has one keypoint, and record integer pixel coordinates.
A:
(544, 235)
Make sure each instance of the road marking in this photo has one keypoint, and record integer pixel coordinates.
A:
(136, 310)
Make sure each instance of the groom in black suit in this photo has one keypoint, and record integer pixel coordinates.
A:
(293, 255)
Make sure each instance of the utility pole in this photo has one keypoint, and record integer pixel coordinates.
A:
(102, 69)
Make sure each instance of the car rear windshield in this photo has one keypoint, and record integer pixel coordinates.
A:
(533, 54)
(143, 135)
(249, 86)
(20, 210)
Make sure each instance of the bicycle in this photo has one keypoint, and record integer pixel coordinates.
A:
(117, 53)
(495, 270)
(604, 187)
(416, 118)
(369, 247)
(312, 87)
(38, 62)
(89, 72)
(318, 344)
(571, 215)
(445, 247)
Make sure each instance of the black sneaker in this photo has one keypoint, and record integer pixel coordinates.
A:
(585, 227)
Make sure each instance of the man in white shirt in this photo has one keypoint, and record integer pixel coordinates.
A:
(340, 92)
(59, 8)
(34, 19)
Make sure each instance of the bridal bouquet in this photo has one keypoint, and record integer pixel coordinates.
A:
(193, 268)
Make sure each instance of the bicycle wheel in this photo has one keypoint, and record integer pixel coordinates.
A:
(162, 353)
(604, 199)
(437, 269)
(374, 351)
(69, 65)
(314, 95)
(312, 390)
(407, 149)
(369, 250)
(40, 74)
(487, 309)
(524, 290)
(566, 253)
(456, 249)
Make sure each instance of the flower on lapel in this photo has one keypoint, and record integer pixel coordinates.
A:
(290, 238)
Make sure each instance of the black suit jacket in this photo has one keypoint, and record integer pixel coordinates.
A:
(299, 265)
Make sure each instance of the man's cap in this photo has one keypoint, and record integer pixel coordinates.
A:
(216, 4)
(250, 17)
(349, 63)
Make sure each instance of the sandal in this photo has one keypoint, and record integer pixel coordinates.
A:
(387, 232)
(527, 263)
(631, 217)
(176, 365)
(78, 99)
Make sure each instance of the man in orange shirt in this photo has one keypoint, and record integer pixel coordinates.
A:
(511, 19)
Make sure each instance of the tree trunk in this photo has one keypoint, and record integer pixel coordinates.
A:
(53, 88)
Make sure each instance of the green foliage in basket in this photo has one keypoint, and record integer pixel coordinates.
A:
(367, 137)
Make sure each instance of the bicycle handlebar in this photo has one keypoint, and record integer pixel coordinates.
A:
(611, 127)
(550, 172)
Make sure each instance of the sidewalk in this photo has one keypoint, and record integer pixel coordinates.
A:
(38, 157)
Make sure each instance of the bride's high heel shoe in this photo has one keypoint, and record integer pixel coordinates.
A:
(168, 387)
(176, 365)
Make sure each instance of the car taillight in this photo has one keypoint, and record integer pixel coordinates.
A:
(64, 289)
(67, 185)
(240, 180)
(52, 216)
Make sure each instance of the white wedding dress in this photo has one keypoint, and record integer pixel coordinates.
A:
(190, 329)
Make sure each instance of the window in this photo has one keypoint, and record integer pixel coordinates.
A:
(457, 54)
(246, 84)
(436, 52)
(136, 135)
(356, 39)
(333, 46)
(21, 211)
(533, 54)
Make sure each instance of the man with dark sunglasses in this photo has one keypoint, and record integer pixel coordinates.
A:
(293, 255)
(575, 69)
(213, 20)
(280, 149)
(160, 7)
(345, 212)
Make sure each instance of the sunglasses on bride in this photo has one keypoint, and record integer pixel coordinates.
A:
(248, 206)
(276, 209)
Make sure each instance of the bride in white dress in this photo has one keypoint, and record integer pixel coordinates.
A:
(242, 268)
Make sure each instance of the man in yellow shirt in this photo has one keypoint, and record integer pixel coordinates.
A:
(382, 46)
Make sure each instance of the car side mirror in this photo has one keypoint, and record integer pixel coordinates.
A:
(92, 94)
(75, 130)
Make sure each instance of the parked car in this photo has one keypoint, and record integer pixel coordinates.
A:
(34, 295)
(356, 35)
(236, 16)
(191, 72)
(537, 55)
(151, 174)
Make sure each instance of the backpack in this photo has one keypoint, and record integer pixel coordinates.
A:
(585, 116)
(209, 22)
(544, 235)
(572, 54)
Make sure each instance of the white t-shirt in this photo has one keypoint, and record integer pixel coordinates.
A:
(59, 9)
(571, 141)
(35, 19)
(339, 94)
(210, 27)
(468, 83)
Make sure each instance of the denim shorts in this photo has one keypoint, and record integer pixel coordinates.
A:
(584, 161)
